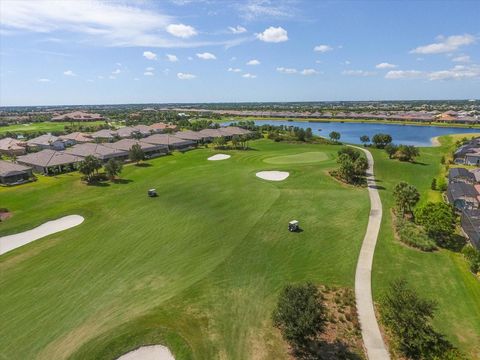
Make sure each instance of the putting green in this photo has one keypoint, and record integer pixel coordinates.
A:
(301, 158)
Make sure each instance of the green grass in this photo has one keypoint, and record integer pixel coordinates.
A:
(442, 275)
(302, 158)
(42, 126)
(198, 268)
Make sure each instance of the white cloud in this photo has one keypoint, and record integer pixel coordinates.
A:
(112, 77)
(284, 70)
(237, 70)
(403, 74)
(148, 73)
(308, 72)
(361, 73)
(253, 62)
(150, 68)
(69, 73)
(255, 9)
(44, 80)
(185, 76)
(347, 62)
(462, 58)
(150, 55)
(206, 56)
(136, 79)
(445, 44)
(249, 76)
(385, 65)
(172, 58)
(181, 30)
(116, 71)
(237, 29)
(458, 72)
(322, 48)
(273, 35)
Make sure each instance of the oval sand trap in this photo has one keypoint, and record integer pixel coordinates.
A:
(219, 157)
(10, 242)
(301, 158)
(272, 175)
(153, 352)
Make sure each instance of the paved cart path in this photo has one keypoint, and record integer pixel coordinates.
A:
(372, 338)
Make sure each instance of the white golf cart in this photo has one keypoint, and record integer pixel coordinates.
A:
(293, 226)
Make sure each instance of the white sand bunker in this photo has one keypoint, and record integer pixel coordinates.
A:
(10, 242)
(273, 175)
(153, 352)
(219, 157)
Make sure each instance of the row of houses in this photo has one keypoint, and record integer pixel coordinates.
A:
(469, 153)
(463, 192)
(52, 160)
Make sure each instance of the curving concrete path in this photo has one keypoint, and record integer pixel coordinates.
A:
(372, 338)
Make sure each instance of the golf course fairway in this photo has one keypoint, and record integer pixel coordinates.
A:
(197, 269)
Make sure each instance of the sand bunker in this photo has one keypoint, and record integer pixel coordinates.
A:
(153, 352)
(272, 175)
(10, 242)
(219, 157)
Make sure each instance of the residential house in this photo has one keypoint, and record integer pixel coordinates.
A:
(210, 134)
(190, 135)
(50, 162)
(10, 146)
(125, 132)
(462, 195)
(460, 175)
(47, 141)
(78, 116)
(470, 221)
(75, 138)
(104, 135)
(172, 142)
(234, 130)
(100, 151)
(148, 149)
(158, 128)
(13, 174)
(145, 130)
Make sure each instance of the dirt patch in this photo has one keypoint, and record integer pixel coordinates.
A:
(5, 214)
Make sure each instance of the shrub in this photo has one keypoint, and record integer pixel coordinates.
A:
(413, 235)
(473, 258)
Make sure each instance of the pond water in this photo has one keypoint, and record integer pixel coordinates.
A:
(351, 132)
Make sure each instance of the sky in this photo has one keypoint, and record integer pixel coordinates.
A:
(111, 52)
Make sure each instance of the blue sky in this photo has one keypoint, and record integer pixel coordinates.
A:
(93, 52)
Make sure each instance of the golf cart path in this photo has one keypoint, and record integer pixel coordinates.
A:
(372, 338)
(10, 242)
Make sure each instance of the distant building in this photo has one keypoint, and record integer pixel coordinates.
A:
(76, 138)
(78, 116)
(13, 174)
(104, 135)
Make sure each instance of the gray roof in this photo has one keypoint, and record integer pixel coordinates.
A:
(47, 157)
(99, 151)
(144, 129)
(126, 145)
(213, 133)
(462, 173)
(235, 130)
(8, 168)
(76, 136)
(104, 134)
(125, 132)
(166, 139)
(189, 135)
(8, 144)
(461, 190)
(46, 139)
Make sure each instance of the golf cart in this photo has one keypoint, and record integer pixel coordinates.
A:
(293, 226)
(152, 193)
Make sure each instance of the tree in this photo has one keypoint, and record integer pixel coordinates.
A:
(390, 149)
(406, 152)
(113, 168)
(235, 141)
(360, 166)
(406, 197)
(219, 141)
(381, 140)
(409, 318)
(438, 219)
(308, 134)
(300, 133)
(136, 153)
(299, 314)
(334, 136)
(364, 139)
(347, 168)
(89, 167)
(433, 185)
(351, 152)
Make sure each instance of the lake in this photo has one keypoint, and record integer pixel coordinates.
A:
(351, 132)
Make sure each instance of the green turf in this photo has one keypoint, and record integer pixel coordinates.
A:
(301, 158)
(198, 268)
(43, 126)
(443, 275)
